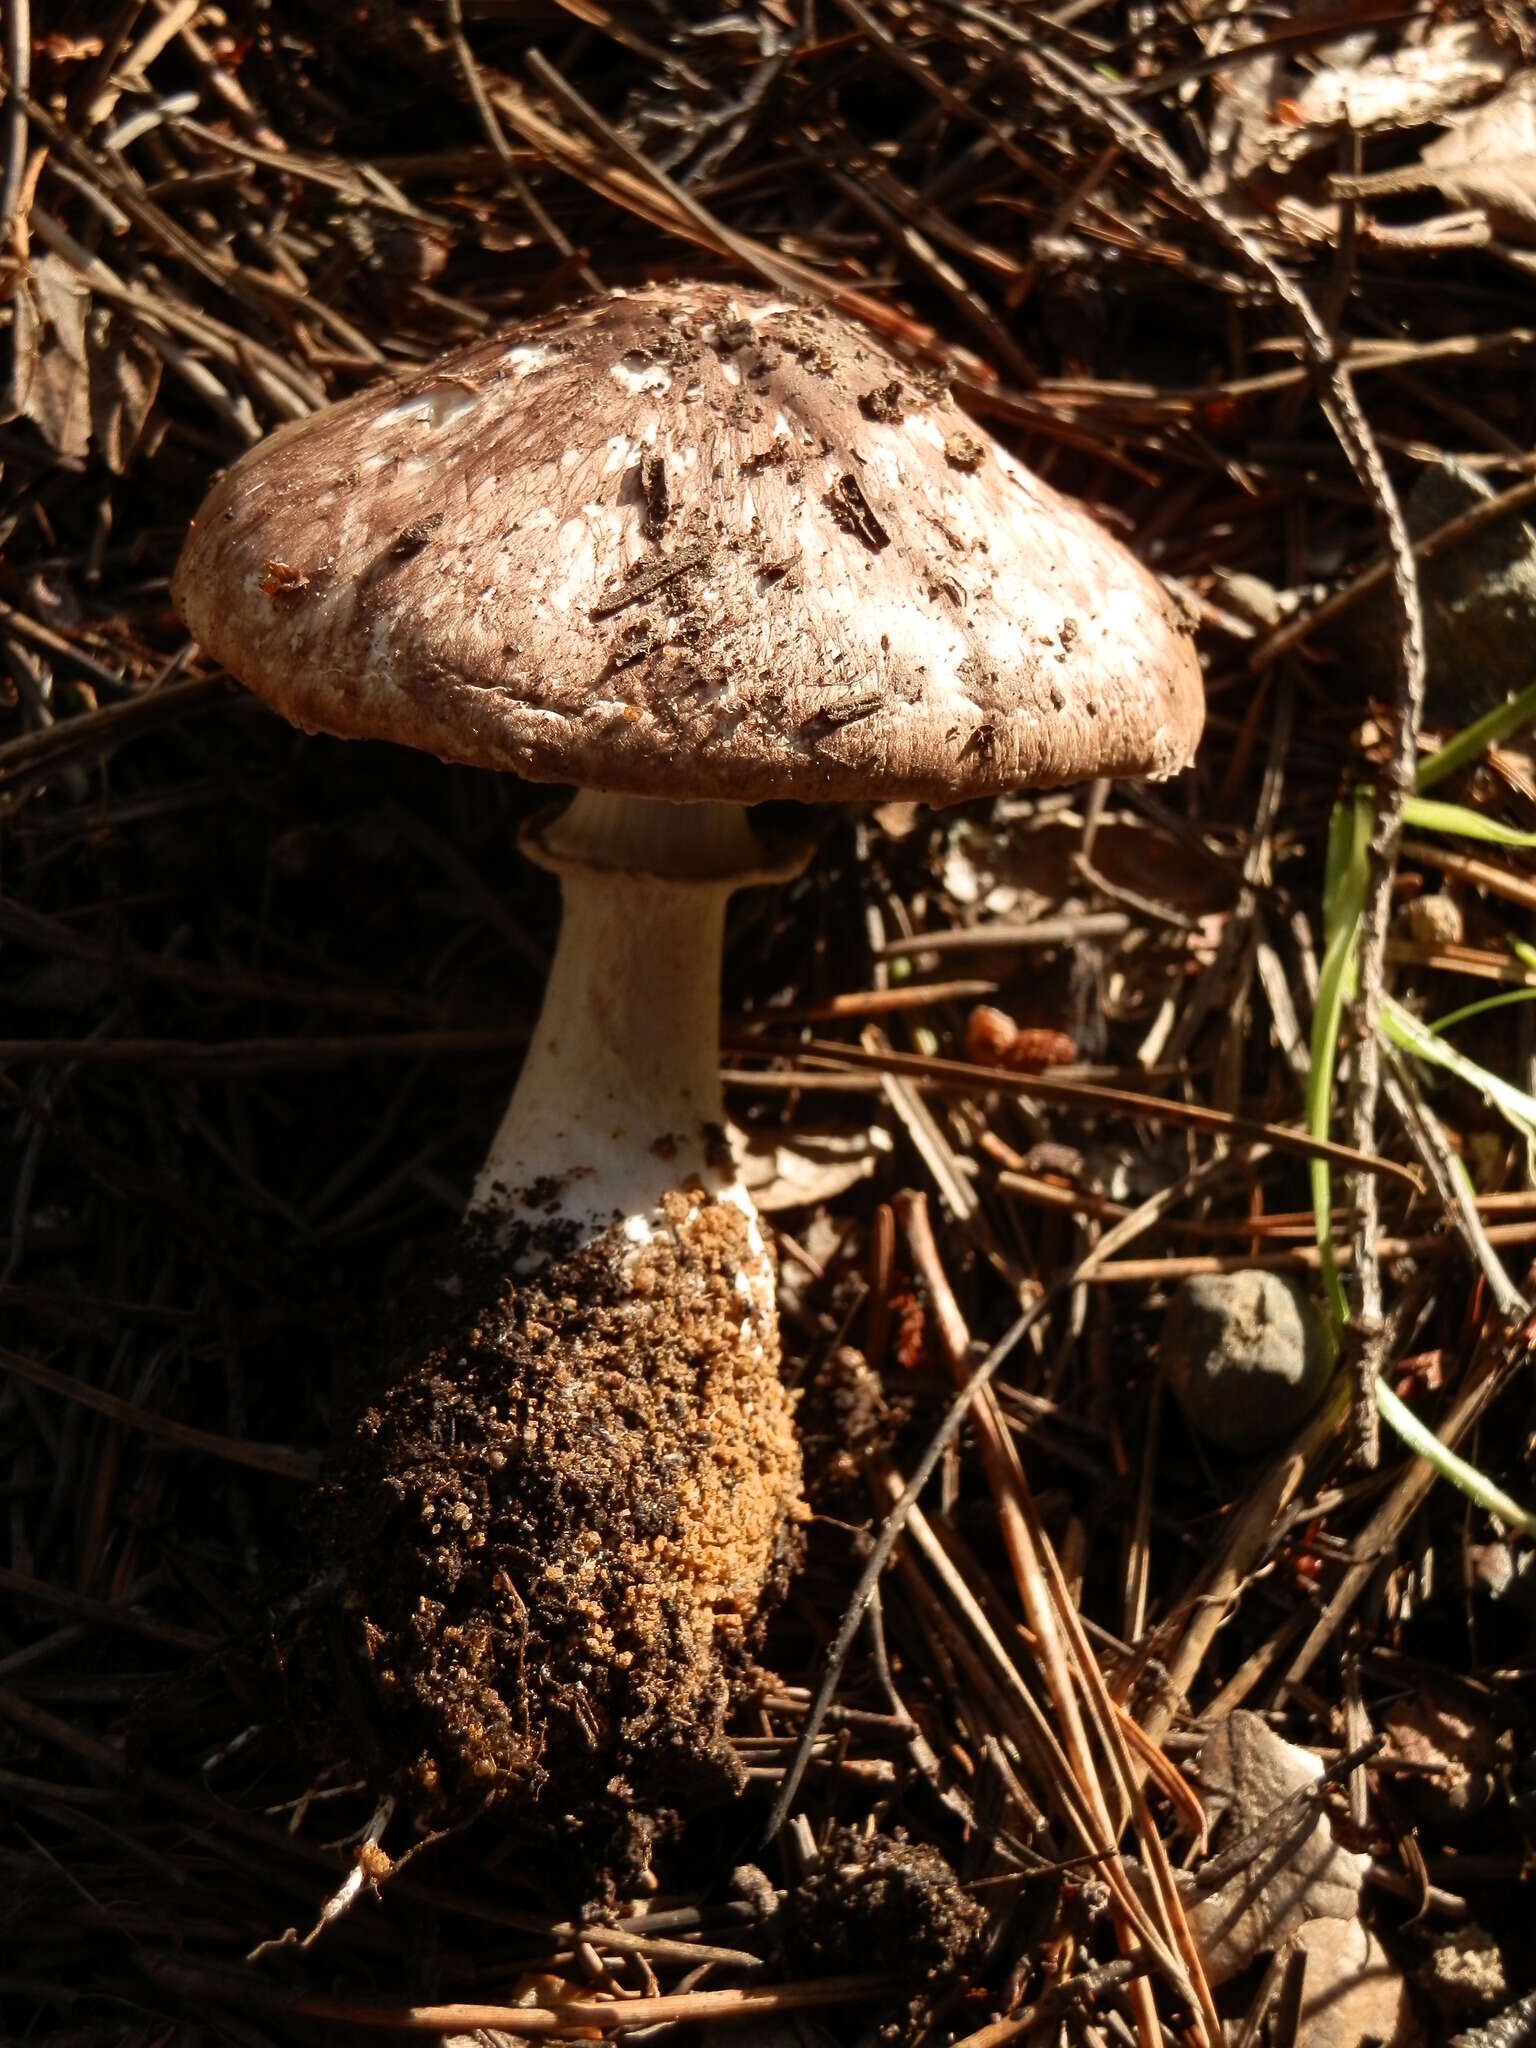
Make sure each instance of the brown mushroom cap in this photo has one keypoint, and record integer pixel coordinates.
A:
(692, 541)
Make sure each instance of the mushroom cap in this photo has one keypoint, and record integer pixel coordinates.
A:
(693, 541)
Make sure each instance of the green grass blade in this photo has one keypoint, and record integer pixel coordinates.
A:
(1499, 1002)
(1464, 747)
(1476, 1485)
(1427, 814)
(1410, 1035)
(1344, 884)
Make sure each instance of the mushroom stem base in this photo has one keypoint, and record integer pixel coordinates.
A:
(559, 1523)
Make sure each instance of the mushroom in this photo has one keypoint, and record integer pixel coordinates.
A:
(689, 548)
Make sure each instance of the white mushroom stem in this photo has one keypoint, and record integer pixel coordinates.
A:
(621, 1504)
(619, 1104)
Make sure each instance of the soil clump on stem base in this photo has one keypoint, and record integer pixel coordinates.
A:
(549, 1532)
(882, 1902)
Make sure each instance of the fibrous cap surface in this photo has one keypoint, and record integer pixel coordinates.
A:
(691, 541)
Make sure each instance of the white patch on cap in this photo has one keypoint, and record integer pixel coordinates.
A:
(528, 357)
(618, 452)
(584, 545)
(921, 428)
(574, 558)
(439, 407)
(380, 653)
(1017, 474)
(730, 373)
(635, 374)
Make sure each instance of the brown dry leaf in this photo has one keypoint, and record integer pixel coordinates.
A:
(1457, 1754)
(125, 376)
(50, 376)
(1353, 1993)
(1489, 159)
(1456, 63)
(818, 1167)
(1243, 127)
(61, 49)
(1019, 873)
(1246, 1771)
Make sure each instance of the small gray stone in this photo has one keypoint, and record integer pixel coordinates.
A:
(1479, 604)
(1245, 1354)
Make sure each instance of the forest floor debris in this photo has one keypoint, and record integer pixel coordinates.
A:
(264, 996)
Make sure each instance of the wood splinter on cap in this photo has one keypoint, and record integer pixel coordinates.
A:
(689, 548)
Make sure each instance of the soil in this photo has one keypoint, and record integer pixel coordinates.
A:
(844, 1419)
(555, 1530)
(883, 1903)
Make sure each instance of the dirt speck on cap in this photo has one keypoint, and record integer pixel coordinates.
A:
(556, 1527)
(964, 451)
(885, 402)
